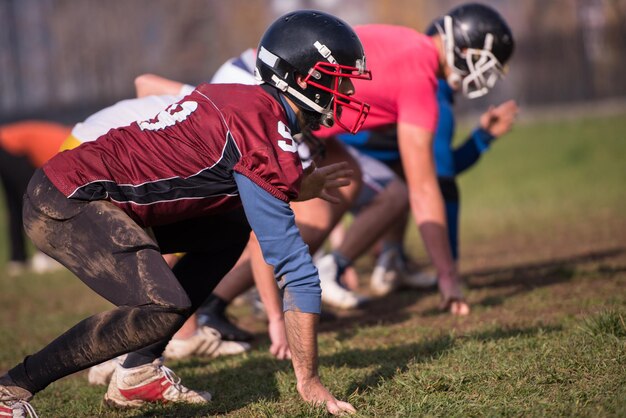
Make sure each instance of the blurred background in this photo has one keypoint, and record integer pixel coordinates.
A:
(65, 59)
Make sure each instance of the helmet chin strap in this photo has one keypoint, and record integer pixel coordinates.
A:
(326, 115)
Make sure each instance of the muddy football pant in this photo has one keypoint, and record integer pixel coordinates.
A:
(122, 262)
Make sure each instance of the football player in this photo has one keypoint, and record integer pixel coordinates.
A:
(198, 341)
(204, 340)
(469, 49)
(380, 159)
(194, 179)
(240, 70)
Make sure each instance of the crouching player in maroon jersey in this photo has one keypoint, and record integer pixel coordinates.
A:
(194, 179)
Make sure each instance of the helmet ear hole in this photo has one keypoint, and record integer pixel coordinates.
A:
(300, 81)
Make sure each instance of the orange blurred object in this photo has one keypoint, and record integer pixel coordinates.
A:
(37, 140)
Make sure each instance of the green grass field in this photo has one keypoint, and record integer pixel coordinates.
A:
(544, 255)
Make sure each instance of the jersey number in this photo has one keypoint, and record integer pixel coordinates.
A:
(176, 112)
(179, 112)
(287, 144)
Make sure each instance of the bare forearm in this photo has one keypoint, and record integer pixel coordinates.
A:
(435, 238)
(429, 212)
(302, 336)
(426, 201)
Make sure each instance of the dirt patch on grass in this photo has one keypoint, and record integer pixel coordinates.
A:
(509, 284)
(528, 293)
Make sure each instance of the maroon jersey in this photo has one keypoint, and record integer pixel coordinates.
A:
(180, 163)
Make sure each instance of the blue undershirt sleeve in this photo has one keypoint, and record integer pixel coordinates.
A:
(273, 222)
(467, 154)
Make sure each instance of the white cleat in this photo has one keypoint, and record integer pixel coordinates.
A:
(206, 342)
(14, 400)
(385, 277)
(100, 374)
(333, 294)
(392, 271)
(150, 383)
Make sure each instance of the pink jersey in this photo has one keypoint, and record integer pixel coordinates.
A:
(404, 65)
(180, 164)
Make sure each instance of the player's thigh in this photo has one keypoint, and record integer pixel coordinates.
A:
(101, 245)
(316, 217)
(380, 183)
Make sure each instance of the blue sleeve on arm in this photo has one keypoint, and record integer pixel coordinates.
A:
(482, 138)
(273, 222)
(467, 154)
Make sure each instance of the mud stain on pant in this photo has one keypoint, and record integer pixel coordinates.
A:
(116, 258)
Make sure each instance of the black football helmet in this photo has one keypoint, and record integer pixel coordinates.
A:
(324, 50)
(477, 43)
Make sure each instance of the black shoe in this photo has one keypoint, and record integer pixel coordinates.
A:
(212, 313)
(228, 330)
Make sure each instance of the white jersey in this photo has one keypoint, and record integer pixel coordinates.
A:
(238, 70)
(123, 113)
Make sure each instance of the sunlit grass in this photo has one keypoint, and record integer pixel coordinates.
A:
(544, 245)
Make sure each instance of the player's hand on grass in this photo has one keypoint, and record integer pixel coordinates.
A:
(452, 299)
(318, 182)
(278, 336)
(314, 392)
(499, 120)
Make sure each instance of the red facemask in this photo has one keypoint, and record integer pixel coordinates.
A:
(340, 100)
